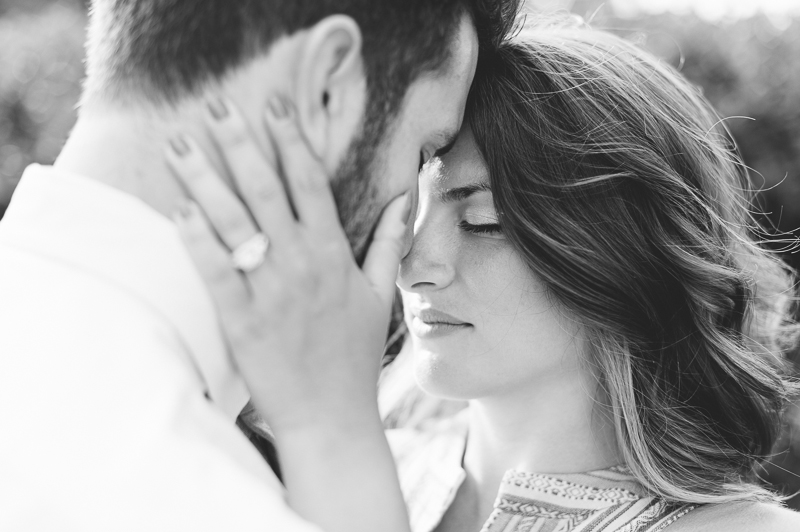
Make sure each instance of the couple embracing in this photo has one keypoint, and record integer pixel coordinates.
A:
(249, 182)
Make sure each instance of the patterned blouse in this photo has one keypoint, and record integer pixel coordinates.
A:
(611, 500)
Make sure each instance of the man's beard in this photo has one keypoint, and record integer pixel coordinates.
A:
(356, 191)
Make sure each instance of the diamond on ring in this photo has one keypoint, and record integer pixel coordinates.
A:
(251, 254)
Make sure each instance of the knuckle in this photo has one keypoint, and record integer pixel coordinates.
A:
(338, 249)
(292, 147)
(303, 267)
(311, 178)
(193, 232)
(230, 223)
(198, 236)
(232, 133)
(280, 293)
(338, 264)
(219, 275)
(265, 191)
(288, 135)
(236, 137)
(245, 330)
(295, 252)
(335, 256)
(255, 328)
(197, 170)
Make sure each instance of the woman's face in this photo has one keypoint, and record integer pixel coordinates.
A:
(480, 322)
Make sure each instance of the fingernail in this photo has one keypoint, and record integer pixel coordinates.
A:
(217, 108)
(184, 208)
(406, 214)
(278, 107)
(180, 146)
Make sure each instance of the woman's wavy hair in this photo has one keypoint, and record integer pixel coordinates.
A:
(623, 191)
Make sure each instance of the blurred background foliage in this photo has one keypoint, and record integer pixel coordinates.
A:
(748, 66)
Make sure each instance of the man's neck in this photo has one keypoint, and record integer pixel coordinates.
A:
(125, 150)
(122, 145)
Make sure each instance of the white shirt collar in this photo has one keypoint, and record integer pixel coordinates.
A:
(115, 236)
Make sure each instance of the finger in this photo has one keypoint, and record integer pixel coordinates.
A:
(255, 177)
(224, 210)
(386, 250)
(210, 257)
(305, 175)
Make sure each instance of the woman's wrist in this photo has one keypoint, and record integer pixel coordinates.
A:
(351, 453)
(317, 417)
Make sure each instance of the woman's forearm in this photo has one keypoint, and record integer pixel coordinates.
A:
(343, 478)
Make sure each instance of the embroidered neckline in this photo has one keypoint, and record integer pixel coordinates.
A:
(558, 486)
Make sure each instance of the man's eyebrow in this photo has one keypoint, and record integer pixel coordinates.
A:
(462, 193)
(448, 141)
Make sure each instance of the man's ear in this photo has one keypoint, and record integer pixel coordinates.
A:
(331, 86)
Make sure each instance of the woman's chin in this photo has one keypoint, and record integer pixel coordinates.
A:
(444, 376)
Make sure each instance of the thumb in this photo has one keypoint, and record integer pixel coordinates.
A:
(384, 254)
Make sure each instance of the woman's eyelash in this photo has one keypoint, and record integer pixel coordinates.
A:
(480, 229)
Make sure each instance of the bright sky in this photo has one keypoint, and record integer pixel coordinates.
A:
(713, 10)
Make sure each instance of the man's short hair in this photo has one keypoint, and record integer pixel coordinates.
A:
(163, 50)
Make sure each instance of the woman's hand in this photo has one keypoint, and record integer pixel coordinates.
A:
(306, 327)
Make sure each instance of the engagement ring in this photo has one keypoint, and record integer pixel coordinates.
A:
(251, 254)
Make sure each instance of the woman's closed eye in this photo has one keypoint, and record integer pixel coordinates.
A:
(480, 229)
(480, 224)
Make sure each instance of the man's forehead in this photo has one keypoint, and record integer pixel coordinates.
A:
(458, 70)
(457, 78)
(444, 92)
(434, 103)
(464, 48)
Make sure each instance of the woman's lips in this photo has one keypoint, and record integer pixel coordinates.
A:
(430, 323)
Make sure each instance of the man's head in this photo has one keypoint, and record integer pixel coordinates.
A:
(379, 85)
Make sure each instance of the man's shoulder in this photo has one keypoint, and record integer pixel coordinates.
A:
(43, 294)
(739, 517)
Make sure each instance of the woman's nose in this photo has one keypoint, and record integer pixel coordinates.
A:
(427, 266)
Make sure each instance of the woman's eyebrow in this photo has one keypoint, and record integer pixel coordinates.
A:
(462, 193)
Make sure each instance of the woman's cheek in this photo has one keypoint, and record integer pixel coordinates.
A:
(494, 273)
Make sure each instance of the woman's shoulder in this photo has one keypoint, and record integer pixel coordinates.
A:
(739, 517)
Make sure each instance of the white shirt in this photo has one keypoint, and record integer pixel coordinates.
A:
(108, 347)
